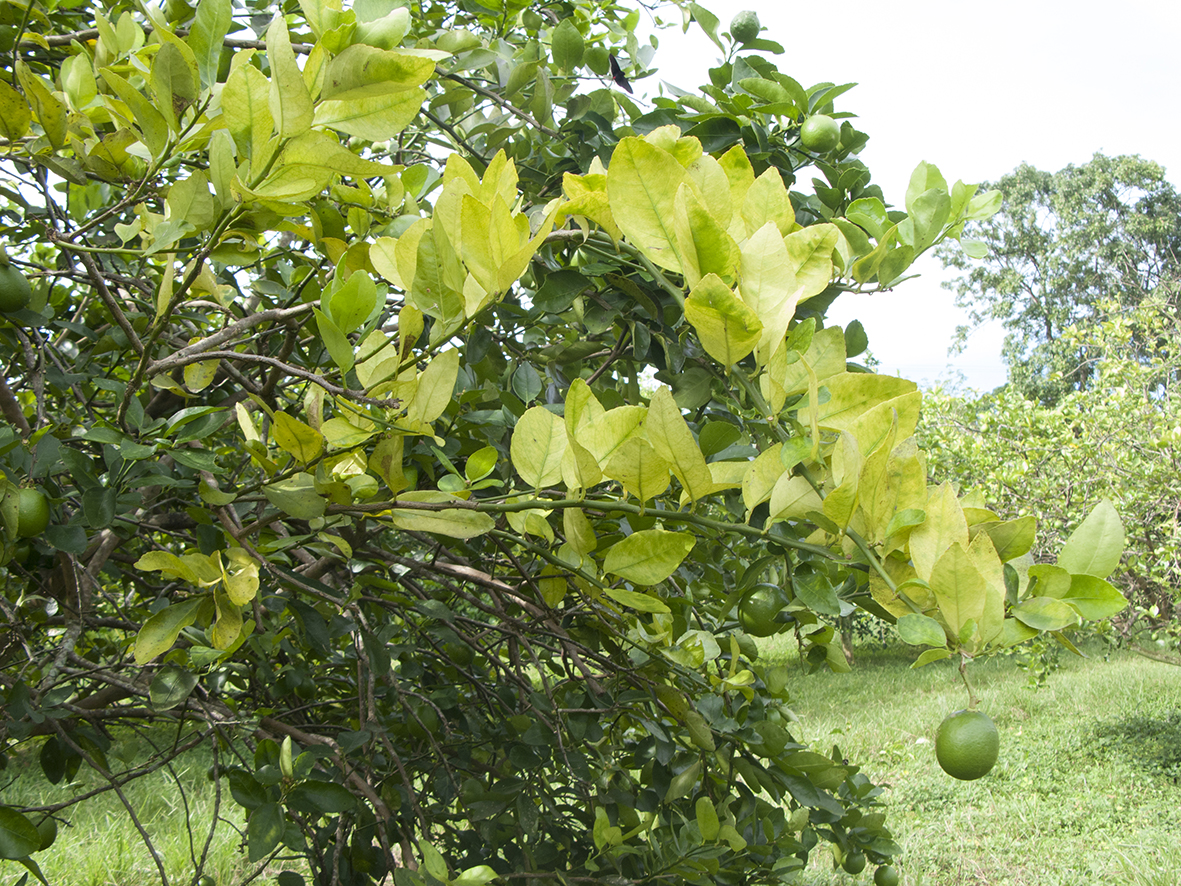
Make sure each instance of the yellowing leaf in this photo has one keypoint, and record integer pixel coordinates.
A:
(761, 477)
(538, 446)
(648, 557)
(1045, 614)
(728, 328)
(1096, 546)
(642, 184)
(295, 438)
(673, 441)
(199, 375)
(852, 394)
(959, 588)
(297, 497)
(639, 468)
(372, 93)
(436, 386)
(457, 522)
(241, 580)
(160, 631)
(767, 285)
(945, 526)
(766, 201)
(289, 101)
(704, 245)
(793, 498)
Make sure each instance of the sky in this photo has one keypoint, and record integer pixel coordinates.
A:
(976, 89)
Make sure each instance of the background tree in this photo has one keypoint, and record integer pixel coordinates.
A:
(333, 375)
(1117, 439)
(1067, 250)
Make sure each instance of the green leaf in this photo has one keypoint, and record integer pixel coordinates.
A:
(921, 630)
(816, 592)
(1014, 632)
(559, 290)
(351, 304)
(171, 686)
(432, 861)
(209, 29)
(321, 798)
(648, 557)
(1096, 546)
(335, 341)
(707, 819)
(297, 497)
(160, 631)
(567, 45)
(734, 839)
(708, 22)
(538, 446)
(636, 600)
(1094, 598)
(1013, 537)
(18, 835)
(264, 830)
(925, 178)
(174, 81)
(931, 655)
(1045, 614)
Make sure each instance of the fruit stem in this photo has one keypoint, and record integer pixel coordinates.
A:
(973, 701)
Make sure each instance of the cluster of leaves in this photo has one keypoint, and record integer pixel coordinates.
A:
(338, 373)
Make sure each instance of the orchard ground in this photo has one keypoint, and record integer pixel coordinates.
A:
(1085, 790)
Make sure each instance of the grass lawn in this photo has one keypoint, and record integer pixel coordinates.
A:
(1087, 788)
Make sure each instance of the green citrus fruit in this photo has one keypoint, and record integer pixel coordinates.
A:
(967, 744)
(33, 514)
(886, 875)
(757, 611)
(854, 862)
(820, 133)
(744, 27)
(14, 289)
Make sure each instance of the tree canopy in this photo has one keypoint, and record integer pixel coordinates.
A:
(416, 412)
(1068, 248)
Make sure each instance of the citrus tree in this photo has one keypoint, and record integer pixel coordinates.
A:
(427, 426)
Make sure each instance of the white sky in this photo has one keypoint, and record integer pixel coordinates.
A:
(975, 89)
